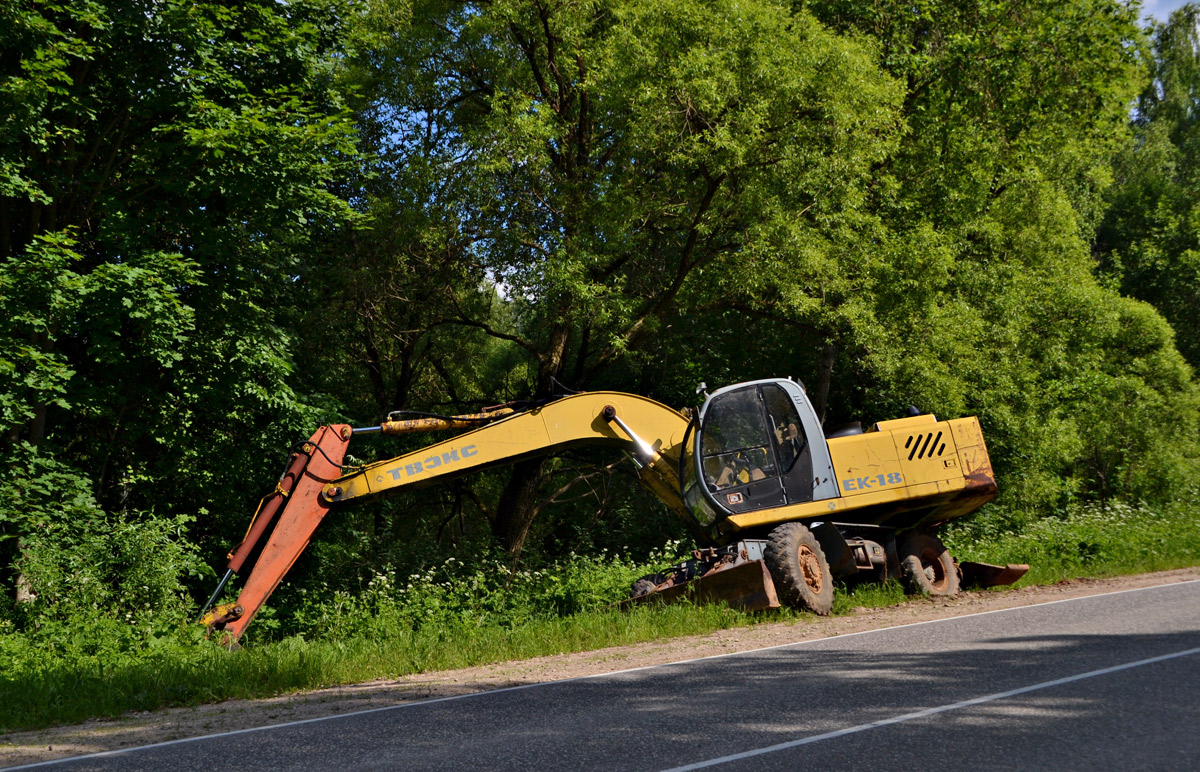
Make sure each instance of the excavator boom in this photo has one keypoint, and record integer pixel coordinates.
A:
(574, 421)
(314, 482)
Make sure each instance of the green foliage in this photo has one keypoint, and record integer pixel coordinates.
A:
(109, 598)
(37, 293)
(125, 568)
(980, 294)
(1150, 239)
(482, 593)
(867, 595)
(1087, 540)
(102, 583)
(50, 40)
(671, 143)
(162, 170)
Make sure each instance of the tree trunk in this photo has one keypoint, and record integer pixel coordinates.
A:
(25, 593)
(374, 366)
(24, 588)
(518, 506)
(552, 360)
(824, 378)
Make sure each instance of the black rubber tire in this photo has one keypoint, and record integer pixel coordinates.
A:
(927, 566)
(646, 584)
(799, 568)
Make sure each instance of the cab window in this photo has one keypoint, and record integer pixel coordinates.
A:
(753, 450)
(793, 454)
(737, 462)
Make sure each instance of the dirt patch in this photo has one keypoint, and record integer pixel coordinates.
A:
(145, 728)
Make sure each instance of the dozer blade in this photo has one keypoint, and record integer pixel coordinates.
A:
(746, 586)
(988, 575)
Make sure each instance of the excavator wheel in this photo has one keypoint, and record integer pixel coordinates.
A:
(927, 566)
(799, 568)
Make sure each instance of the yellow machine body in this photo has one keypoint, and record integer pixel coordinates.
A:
(906, 473)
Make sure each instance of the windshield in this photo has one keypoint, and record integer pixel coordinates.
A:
(735, 432)
(753, 450)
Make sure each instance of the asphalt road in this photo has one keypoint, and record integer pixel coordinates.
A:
(1109, 681)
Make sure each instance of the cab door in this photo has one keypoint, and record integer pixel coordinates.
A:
(755, 448)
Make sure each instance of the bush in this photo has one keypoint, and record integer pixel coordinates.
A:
(105, 587)
(1088, 539)
(485, 592)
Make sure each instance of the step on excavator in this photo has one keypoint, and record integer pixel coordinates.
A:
(781, 510)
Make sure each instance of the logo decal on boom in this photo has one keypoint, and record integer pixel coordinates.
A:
(433, 462)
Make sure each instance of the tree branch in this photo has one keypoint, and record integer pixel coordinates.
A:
(687, 264)
(488, 330)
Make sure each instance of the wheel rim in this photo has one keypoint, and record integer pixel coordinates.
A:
(810, 566)
(931, 563)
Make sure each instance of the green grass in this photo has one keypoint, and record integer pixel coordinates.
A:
(452, 616)
(205, 672)
(1090, 541)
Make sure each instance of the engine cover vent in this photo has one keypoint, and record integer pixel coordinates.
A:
(925, 445)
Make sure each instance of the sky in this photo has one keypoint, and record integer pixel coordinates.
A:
(1160, 9)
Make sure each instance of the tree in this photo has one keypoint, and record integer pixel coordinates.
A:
(161, 164)
(608, 163)
(1150, 239)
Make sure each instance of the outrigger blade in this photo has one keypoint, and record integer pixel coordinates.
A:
(988, 575)
(745, 585)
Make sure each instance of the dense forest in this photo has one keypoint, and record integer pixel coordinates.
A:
(223, 224)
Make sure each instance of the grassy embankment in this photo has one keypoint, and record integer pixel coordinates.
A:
(456, 616)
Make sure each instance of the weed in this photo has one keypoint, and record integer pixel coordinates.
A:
(1088, 540)
(76, 665)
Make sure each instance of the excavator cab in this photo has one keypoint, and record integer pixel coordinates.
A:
(757, 445)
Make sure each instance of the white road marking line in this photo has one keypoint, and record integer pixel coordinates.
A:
(929, 712)
(452, 698)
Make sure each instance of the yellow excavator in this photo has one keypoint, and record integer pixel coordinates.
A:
(781, 509)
